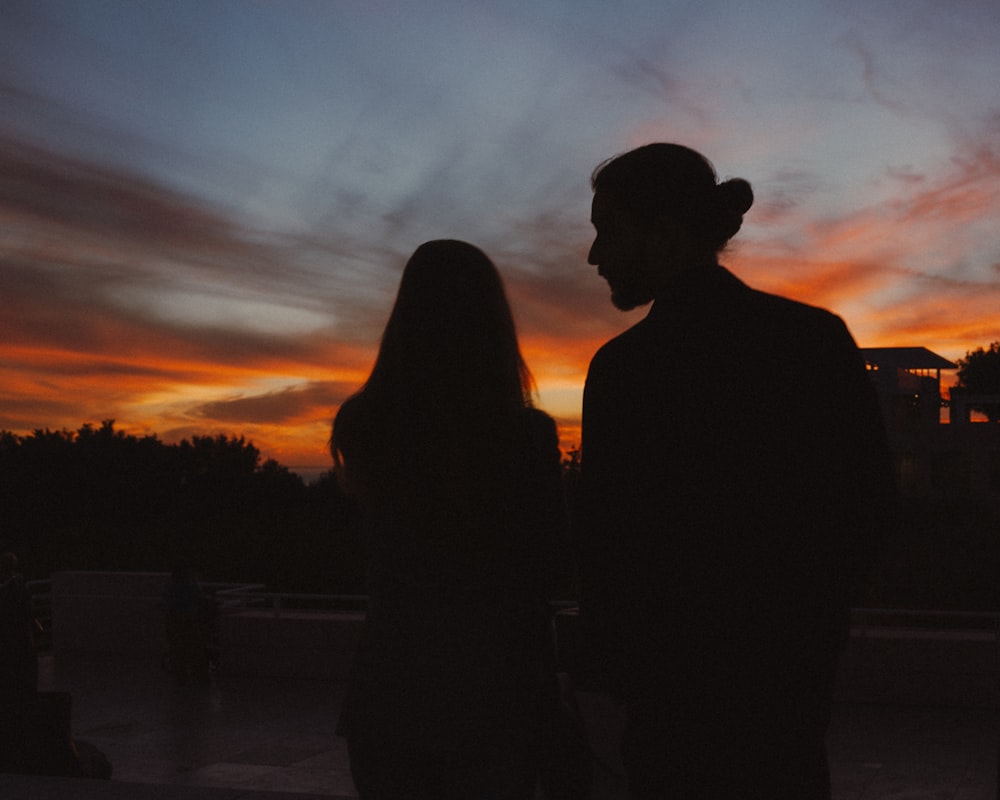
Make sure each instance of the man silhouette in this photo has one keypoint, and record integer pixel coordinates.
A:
(735, 481)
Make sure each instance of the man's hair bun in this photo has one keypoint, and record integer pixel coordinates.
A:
(735, 195)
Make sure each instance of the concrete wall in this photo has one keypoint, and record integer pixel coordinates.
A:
(935, 668)
(296, 644)
(108, 612)
(123, 612)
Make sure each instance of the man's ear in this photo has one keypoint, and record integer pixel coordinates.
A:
(661, 230)
(669, 249)
(665, 237)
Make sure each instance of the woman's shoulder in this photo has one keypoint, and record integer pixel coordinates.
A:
(541, 435)
(351, 408)
(352, 417)
(538, 422)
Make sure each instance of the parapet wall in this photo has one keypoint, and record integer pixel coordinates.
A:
(914, 667)
(108, 612)
(294, 644)
(123, 613)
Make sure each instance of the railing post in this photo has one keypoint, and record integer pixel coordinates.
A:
(996, 641)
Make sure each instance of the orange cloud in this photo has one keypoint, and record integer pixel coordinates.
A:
(104, 280)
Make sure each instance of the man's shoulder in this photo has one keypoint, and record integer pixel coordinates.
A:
(785, 313)
(629, 339)
(804, 335)
(761, 323)
(782, 305)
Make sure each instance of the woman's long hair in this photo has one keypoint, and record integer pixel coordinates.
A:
(434, 429)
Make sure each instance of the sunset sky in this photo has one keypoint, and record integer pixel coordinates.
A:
(205, 206)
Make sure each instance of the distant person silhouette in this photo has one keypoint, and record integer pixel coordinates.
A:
(735, 480)
(35, 730)
(458, 477)
(185, 636)
(18, 659)
(18, 662)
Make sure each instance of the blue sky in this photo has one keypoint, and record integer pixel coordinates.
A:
(206, 206)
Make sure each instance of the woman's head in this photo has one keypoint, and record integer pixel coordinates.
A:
(450, 288)
(449, 369)
(448, 386)
(452, 324)
(669, 181)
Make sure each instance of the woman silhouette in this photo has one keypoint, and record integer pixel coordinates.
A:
(459, 480)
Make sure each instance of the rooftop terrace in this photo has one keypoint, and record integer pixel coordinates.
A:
(253, 738)
(917, 712)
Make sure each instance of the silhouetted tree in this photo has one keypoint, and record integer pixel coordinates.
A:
(979, 373)
(98, 498)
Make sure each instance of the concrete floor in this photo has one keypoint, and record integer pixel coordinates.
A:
(246, 738)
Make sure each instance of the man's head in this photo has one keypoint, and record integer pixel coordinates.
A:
(658, 211)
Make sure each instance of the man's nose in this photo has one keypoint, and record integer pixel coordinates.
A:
(592, 254)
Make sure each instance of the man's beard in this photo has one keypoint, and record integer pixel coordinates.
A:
(628, 297)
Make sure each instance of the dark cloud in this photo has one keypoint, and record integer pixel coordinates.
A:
(66, 192)
(779, 196)
(95, 269)
(48, 307)
(292, 403)
(661, 80)
(177, 232)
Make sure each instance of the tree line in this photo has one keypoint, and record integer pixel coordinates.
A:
(979, 373)
(100, 499)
